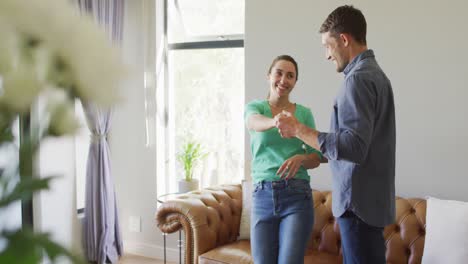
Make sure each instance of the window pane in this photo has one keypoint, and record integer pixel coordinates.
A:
(205, 18)
(208, 88)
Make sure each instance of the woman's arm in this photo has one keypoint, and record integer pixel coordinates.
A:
(290, 167)
(260, 123)
(311, 161)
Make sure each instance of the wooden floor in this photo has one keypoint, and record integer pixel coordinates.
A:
(133, 259)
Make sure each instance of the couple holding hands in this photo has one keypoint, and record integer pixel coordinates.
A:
(360, 149)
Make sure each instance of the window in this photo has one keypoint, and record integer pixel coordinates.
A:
(202, 72)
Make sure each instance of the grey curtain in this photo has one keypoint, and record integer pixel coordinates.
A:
(101, 232)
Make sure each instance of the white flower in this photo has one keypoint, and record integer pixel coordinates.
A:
(43, 60)
(9, 49)
(63, 120)
(82, 56)
(58, 112)
(19, 89)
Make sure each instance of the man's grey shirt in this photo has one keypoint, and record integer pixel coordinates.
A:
(361, 144)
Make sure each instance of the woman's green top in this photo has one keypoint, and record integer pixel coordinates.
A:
(270, 150)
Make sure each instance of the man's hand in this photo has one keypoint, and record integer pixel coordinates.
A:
(287, 124)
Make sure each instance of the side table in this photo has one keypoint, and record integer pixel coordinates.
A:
(162, 199)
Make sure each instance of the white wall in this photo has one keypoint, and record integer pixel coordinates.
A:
(419, 44)
(55, 209)
(133, 156)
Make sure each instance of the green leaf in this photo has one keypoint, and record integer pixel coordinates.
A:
(28, 147)
(24, 190)
(6, 120)
(25, 246)
(6, 135)
(54, 250)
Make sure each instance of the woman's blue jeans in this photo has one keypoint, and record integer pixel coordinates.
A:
(281, 222)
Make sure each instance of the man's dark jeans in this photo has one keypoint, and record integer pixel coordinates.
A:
(361, 243)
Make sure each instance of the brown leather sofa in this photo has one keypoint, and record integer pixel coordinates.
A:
(210, 220)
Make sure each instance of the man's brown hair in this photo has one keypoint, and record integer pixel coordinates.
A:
(346, 19)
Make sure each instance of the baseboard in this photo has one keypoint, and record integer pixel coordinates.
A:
(151, 251)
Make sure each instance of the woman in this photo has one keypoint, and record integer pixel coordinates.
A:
(282, 207)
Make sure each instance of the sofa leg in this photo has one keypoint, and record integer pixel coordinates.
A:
(180, 244)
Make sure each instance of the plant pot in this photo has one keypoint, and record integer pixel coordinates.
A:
(187, 186)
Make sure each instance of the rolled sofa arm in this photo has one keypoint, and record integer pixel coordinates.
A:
(209, 217)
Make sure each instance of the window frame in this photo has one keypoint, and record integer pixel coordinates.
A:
(165, 131)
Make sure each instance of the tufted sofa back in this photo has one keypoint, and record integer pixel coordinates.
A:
(404, 238)
(210, 218)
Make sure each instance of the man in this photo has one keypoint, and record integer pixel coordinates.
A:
(361, 144)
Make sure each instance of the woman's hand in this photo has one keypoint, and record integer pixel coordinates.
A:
(290, 167)
(277, 117)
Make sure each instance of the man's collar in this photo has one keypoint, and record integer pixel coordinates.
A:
(363, 55)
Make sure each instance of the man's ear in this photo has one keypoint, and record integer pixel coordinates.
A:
(345, 38)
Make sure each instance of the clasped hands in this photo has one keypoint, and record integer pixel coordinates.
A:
(287, 126)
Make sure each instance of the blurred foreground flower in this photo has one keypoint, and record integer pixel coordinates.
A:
(49, 56)
(79, 56)
(20, 89)
(60, 112)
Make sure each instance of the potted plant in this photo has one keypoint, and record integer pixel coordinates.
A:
(190, 155)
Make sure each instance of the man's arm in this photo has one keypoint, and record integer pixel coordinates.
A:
(356, 116)
(307, 135)
(289, 127)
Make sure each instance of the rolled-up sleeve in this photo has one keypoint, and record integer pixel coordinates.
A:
(254, 107)
(310, 122)
(355, 117)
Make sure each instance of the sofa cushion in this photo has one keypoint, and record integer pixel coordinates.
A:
(239, 252)
(446, 232)
(244, 227)
(321, 257)
(236, 252)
